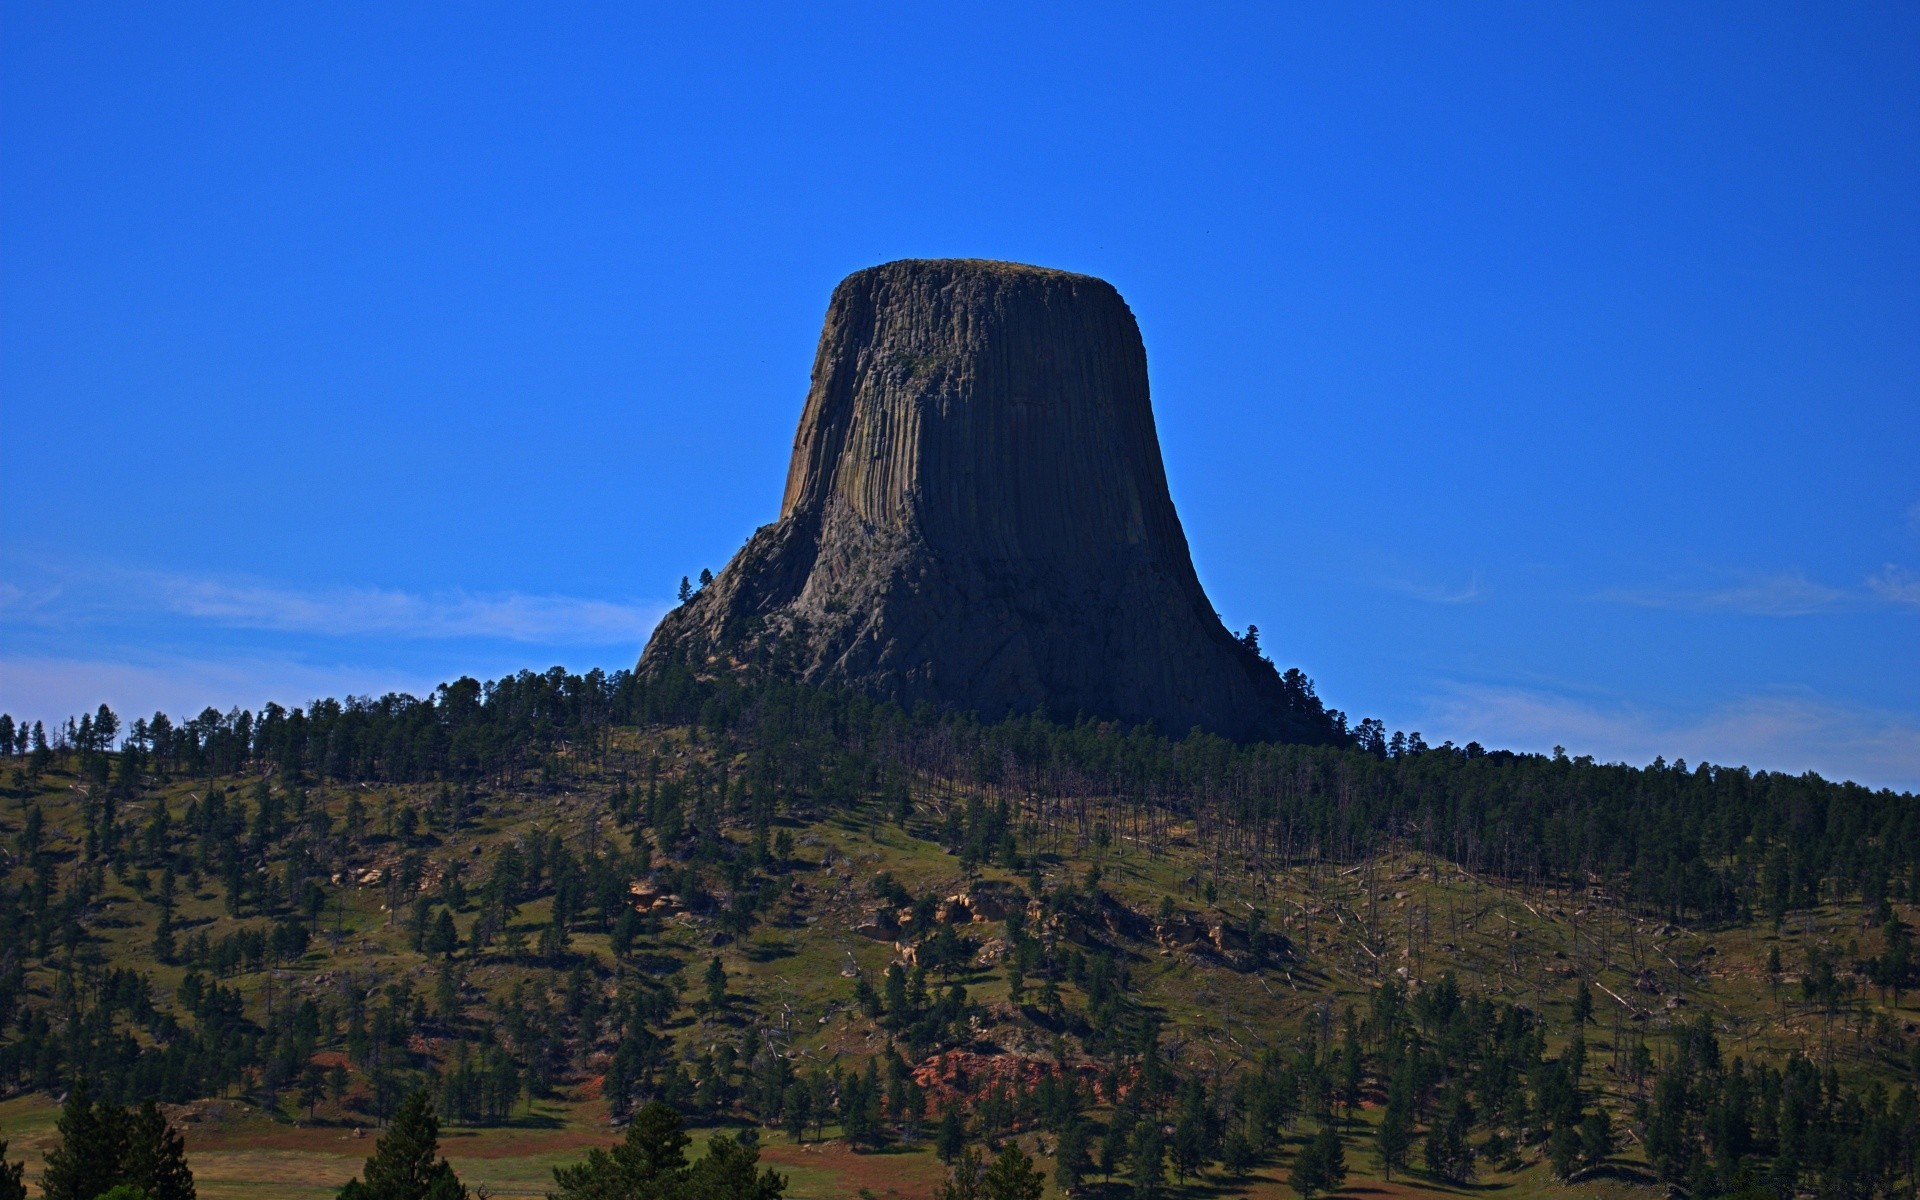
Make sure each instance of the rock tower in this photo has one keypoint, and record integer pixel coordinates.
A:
(976, 515)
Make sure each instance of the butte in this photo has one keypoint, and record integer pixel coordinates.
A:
(976, 516)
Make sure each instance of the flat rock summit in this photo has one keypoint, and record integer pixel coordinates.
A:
(976, 515)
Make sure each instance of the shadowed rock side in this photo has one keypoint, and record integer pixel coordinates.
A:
(976, 515)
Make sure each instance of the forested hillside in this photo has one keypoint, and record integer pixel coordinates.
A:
(1152, 961)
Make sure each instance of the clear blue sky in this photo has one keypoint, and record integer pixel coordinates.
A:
(1546, 374)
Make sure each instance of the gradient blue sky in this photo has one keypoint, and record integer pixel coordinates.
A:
(1540, 374)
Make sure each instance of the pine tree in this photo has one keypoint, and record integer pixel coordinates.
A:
(726, 1172)
(963, 1180)
(163, 948)
(1395, 1136)
(1321, 1165)
(443, 939)
(86, 1162)
(1596, 1137)
(1070, 1158)
(12, 1174)
(156, 1157)
(403, 1166)
(1149, 1167)
(793, 1110)
(952, 1138)
(1011, 1176)
(651, 1160)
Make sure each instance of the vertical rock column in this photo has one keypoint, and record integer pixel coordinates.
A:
(976, 515)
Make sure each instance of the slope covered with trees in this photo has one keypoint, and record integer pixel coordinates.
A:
(797, 911)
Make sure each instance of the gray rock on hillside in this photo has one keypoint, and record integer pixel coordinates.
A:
(976, 515)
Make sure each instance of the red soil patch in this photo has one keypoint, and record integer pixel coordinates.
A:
(966, 1076)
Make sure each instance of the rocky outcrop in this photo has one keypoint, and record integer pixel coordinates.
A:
(976, 515)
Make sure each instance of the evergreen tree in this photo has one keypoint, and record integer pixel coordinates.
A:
(650, 1163)
(156, 1157)
(1149, 1166)
(403, 1165)
(12, 1174)
(1448, 1154)
(86, 1160)
(793, 1110)
(1071, 1159)
(963, 1181)
(1321, 1165)
(1237, 1154)
(726, 1172)
(1012, 1177)
(1563, 1151)
(1596, 1137)
(952, 1136)
(442, 939)
(1395, 1135)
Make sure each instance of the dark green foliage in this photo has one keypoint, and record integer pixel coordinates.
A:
(952, 1136)
(1321, 1165)
(1011, 1176)
(1448, 1153)
(1149, 1176)
(963, 1181)
(12, 1174)
(85, 1161)
(650, 1163)
(1395, 1136)
(1071, 1159)
(442, 939)
(404, 1165)
(102, 1146)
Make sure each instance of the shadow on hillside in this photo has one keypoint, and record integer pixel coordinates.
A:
(1618, 1172)
(765, 952)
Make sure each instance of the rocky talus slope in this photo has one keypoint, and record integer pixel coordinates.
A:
(976, 515)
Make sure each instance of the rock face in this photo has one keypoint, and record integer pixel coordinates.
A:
(976, 515)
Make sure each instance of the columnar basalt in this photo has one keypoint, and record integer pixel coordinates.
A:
(976, 515)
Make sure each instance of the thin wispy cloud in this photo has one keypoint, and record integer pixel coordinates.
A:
(1896, 585)
(17, 601)
(75, 637)
(51, 688)
(551, 620)
(1788, 731)
(1471, 592)
(1786, 594)
(74, 599)
(1781, 594)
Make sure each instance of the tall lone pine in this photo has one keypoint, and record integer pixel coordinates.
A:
(976, 515)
